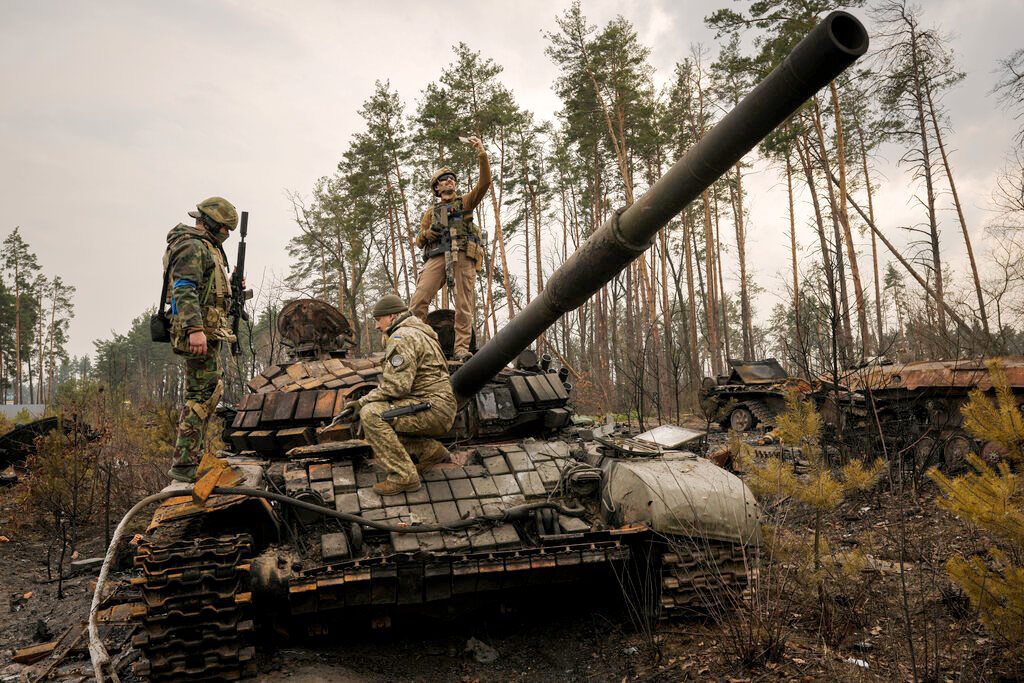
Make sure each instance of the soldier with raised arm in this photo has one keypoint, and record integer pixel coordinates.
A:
(453, 249)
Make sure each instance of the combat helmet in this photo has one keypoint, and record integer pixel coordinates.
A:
(217, 209)
(437, 176)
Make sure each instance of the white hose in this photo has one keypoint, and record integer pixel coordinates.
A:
(97, 651)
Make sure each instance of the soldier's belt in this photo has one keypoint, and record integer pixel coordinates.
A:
(437, 247)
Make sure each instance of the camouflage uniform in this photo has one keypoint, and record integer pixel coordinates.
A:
(414, 371)
(455, 217)
(200, 297)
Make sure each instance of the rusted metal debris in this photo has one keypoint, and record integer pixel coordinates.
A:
(933, 375)
(315, 329)
(34, 653)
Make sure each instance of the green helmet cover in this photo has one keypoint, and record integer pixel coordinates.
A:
(217, 209)
(437, 176)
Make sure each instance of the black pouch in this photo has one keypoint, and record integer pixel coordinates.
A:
(159, 327)
(159, 323)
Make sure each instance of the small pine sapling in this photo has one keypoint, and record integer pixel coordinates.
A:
(820, 488)
(992, 497)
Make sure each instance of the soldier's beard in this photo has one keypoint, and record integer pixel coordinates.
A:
(447, 194)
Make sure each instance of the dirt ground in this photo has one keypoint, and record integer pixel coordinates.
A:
(589, 637)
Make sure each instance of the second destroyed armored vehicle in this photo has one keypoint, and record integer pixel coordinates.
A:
(529, 499)
(916, 406)
(752, 395)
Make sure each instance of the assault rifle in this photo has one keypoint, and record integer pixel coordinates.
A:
(387, 415)
(239, 294)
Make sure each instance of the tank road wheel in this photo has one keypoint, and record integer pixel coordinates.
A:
(741, 419)
(993, 452)
(954, 453)
(924, 451)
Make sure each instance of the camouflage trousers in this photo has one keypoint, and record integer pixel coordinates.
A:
(203, 389)
(394, 442)
(432, 278)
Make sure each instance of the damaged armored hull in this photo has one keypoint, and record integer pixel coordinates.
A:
(752, 395)
(504, 515)
(914, 409)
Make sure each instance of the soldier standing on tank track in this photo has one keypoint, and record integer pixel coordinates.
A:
(414, 371)
(200, 298)
(452, 248)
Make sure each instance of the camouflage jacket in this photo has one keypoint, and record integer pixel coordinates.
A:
(467, 202)
(413, 367)
(198, 288)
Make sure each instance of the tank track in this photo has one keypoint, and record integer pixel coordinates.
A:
(197, 624)
(701, 578)
(765, 417)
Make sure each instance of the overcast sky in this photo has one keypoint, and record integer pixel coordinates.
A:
(118, 116)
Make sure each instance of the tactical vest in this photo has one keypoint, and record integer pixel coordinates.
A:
(456, 228)
(214, 294)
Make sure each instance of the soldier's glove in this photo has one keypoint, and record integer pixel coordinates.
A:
(432, 233)
(350, 410)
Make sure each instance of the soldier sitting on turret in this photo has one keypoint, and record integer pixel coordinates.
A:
(452, 219)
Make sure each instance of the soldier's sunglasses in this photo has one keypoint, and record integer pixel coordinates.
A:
(447, 176)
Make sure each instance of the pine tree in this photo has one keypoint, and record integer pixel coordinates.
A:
(820, 489)
(992, 498)
(22, 266)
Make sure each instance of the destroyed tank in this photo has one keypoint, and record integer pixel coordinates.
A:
(752, 395)
(529, 499)
(916, 406)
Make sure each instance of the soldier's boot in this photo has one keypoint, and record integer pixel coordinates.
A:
(431, 453)
(185, 473)
(389, 487)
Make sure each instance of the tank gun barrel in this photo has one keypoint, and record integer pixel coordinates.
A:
(828, 49)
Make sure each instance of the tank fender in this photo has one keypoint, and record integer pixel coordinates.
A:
(681, 494)
(255, 514)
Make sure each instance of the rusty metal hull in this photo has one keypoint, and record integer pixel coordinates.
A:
(212, 571)
(913, 410)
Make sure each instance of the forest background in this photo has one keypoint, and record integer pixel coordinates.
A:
(855, 283)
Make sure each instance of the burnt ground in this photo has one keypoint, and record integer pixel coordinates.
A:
(587, 636)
